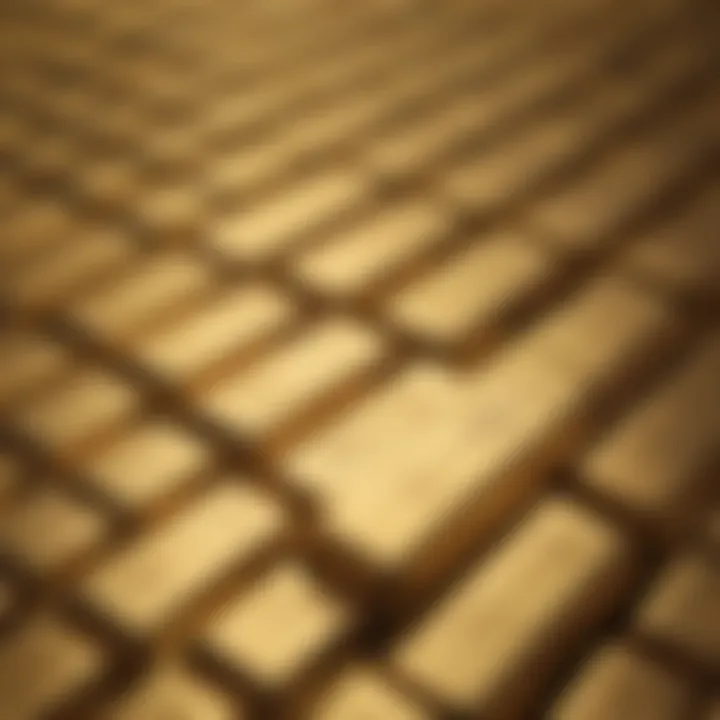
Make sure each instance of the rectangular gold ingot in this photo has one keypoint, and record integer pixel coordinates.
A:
(650, 464)
(140, 294)
(47, 529)
(617, 682)
(484, 182)
(237, 319)
(683, 253)
(363, 692)
(170, 691)
(318, 362)
(44, 664)
(81, 407)
(69, 268)
(682, 610)
(471, 290)
(140, 587)
(272, 633)
(281, 221)
(587, 212)
(357, 259)
(27, 360)
(147, 463)
(499, 631)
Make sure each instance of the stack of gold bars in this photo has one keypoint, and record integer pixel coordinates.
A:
(359, 361)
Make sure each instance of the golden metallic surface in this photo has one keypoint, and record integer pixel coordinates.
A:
(359, 361)
(619, 682)
(277, 628)
(682, 610)
(118, 308)
(170, 691)
(362, 256)
(648, 461)
(42, 664)
(168, 454)
(471, 293)
(152, 576)
(324, 358)
(198, 340)
(491, 639)
(361, 692)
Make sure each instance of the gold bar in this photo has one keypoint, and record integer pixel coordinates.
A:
(589, 212)
(682, 610)
(362, 692)
(236, 319)
(296, 376)
(153, 577)
(619, 683)
(144, 291)
(484, 182)
(683, 253)
(148, 463)
(650, 463)
(275, 631)
(472, 290)
(281, 221)
(355, 260)
(27, 361)
(47, 529)
(81, 407)
(69, 268)
(173, 691)
(499, 632)
(44, 664)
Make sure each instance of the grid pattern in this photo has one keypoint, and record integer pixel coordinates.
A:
(359, 362)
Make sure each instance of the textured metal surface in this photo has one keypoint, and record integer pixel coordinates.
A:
(359, 362)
